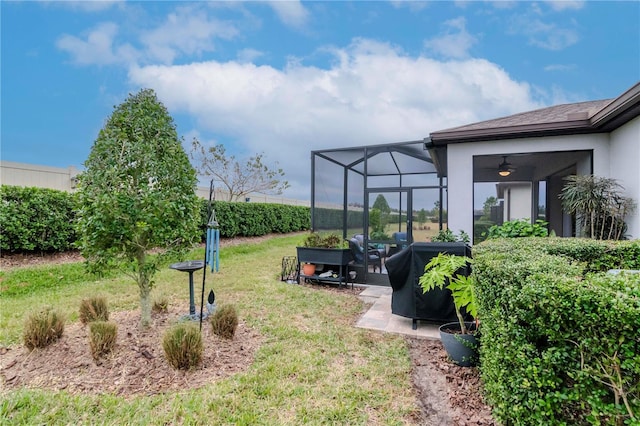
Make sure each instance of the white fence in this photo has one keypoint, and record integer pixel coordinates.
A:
(64, 179)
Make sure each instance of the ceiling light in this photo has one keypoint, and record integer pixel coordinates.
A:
(505, 168)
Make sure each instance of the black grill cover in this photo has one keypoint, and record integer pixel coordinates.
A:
(406, 267)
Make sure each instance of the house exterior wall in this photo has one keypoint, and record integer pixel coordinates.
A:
(625, 167)
(517, 201)
(460, 166)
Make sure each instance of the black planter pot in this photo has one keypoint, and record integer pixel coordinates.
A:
(461, 348)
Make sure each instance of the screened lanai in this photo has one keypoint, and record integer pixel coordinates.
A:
(389, 195)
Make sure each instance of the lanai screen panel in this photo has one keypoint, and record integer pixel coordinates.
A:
(341, 176)
(328, 196)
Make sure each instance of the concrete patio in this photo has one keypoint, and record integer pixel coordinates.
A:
(379, 316)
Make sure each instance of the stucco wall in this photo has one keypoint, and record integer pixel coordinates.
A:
(460, 166)
(21, 174)
(625, 166)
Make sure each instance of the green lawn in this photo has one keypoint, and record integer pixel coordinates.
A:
(314, 366)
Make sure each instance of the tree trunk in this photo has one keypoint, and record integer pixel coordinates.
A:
(144, 284)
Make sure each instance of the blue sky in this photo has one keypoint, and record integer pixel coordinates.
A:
(287, 77)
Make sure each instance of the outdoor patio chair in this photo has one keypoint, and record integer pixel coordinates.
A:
(358, 253)
(380, 247)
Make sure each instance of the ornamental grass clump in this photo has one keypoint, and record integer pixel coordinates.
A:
(102, 338)
(224, 321)
(43, 328)
(160, 305)
(93, 309)
(183, 346)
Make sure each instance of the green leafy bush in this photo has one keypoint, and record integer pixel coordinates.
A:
(256, 219)
(36, 219)
(519, 228)
(102, 338)
(560, 343)
(183, 346)
(93, 309)
(224, 321)
(43, 328)
(448, 236)
(331, 240)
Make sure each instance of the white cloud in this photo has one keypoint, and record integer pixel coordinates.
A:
(560, 5)
(86, 5)
(559, 67)
(189, 31)
(455, 42)
(545, 35)
(292, 13)
(98, 47)
(373, 93)
(248, 55)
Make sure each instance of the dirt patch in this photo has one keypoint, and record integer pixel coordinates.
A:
(447, 394)
(136, 366)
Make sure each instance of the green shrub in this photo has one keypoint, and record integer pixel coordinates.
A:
(560, 343)
(519, 228)
(102, 338)
(448, 236)
(43, 328)
(183, 346)
(93, 309)
(224, 321)
(330, 240)
(256, 219)
(36, 219)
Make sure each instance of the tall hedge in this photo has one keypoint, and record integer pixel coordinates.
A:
(36, 219)
(256, 219)
(560, 340)
(42, 220)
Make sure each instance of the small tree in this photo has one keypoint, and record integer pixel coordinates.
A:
(238, 179)
(137, 194)
(599, 207)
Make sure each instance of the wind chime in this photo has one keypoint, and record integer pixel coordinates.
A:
(211, 253)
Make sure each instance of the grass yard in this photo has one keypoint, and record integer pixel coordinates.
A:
(314, 366)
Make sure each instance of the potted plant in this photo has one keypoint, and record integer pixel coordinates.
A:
(460, 339)
(327, 249)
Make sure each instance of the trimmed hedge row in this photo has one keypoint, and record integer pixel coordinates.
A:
(43, 220)
(560, 338)
(36, 219)
(255, 219)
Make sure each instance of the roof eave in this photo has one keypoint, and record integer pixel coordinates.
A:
(511, 132)
(622, 109)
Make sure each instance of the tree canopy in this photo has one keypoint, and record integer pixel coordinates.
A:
(137, 193)
(239, 179)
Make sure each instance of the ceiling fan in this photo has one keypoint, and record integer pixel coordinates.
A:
(505, 168)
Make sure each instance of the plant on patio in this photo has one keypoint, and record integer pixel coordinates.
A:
(317, 240)
(443, 271)
(519, 228)
(448, 236)
(137, 194)
(599, 207)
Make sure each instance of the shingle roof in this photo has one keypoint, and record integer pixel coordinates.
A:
(581, 117)
(553, 114)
